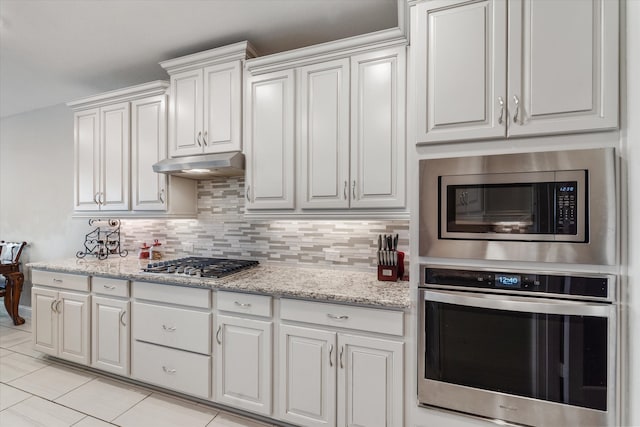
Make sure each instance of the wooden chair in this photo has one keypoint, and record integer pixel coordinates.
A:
(10, 268)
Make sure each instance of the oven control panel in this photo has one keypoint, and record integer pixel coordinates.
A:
(586, 286)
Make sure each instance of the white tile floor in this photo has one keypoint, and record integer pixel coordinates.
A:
(38, 391)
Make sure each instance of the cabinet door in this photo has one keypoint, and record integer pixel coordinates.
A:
(460, 69)
(323, 94)
(243, 365)
(222, 108)
(86, 130)
(74, 327)
(45, 320)
(148, 146)
(370, 382)
(378, 158)
(307, 376)
(114, 157)
(270, 141)
(185, 114)
(563, 66)
(110, 335)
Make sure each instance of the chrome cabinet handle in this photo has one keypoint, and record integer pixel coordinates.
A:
(101, 198)
(344, 191)
(353, 189)
(198, 139)
(53, 308)
(57, 280)
(122, 318)
(331, 355)
(204, 138)
(247, 193)
(515, 114)
(169, 328)
(161, 195)
(95, 199)
(240, 304)
(341, 352)
(168, 371)
(337, 317)
(58, 306)
(109, 287)
(501, 102)
(218, 339)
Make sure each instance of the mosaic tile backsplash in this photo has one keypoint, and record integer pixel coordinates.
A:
(222, 230)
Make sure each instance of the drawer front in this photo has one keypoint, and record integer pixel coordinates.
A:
(174, 369)
(174, 327)
(238, 302)
(110, 287)
(180, 295)
(73, 282)
(343, 316)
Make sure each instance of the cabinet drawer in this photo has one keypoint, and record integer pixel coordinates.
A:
(174, 327)
(238, 302)
(343, 316)
(74, 282)
(111, 287)
(174, 369)
(194, 297)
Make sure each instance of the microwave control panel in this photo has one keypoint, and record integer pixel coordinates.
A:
(566, 207)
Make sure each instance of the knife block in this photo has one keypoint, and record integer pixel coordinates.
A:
(391, 273)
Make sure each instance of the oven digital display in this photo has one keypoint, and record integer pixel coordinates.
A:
(508, 281)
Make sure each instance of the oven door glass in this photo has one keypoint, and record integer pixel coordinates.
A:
(553, 357)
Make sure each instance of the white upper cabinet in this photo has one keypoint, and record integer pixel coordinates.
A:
(270, 141)
(205, 107)
(323, 91)
(102, 158)
(378, 129)
(349, 124)
(493, 69)
(148, 146)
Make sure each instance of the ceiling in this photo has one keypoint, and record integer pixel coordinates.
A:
(54, 51)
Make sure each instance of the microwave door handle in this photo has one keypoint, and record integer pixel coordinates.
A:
(521, 304)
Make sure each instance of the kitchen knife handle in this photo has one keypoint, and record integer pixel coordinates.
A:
(331, 355)
(218, 334)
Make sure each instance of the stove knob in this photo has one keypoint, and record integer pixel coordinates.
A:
(192, 271)
(180, 269)
(171, 269)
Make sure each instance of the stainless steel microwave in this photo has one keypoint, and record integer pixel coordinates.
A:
(555, 206)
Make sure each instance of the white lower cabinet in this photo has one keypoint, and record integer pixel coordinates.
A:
(171, 343)
(243, 363)
(110, 335)
(61, 315)
(332, 378)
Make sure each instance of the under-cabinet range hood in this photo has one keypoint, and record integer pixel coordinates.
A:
(203, 166)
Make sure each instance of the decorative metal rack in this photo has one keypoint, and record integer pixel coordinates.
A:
(103, 240)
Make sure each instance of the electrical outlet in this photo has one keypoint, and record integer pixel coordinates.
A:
(332, 255)
(187, 247)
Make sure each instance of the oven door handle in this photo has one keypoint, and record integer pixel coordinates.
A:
(521, 304)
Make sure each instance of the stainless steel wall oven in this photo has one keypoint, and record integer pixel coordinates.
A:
(519, 346)
(555, 206)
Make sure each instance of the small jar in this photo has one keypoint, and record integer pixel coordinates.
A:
(144, 251)
(154, 252)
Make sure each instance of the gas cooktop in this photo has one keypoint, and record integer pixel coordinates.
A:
(200, 267)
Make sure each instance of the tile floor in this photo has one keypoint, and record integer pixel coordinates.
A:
(38, 391)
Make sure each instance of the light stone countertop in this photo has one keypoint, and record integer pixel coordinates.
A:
(318, 284)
